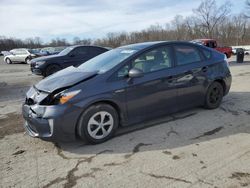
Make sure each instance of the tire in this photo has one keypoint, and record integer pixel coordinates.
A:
(90, 127)
(8, 61)
(214, 96)
(51, 69)
(27, 60)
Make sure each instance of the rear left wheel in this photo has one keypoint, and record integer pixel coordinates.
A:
(98, 123)
(214, 96)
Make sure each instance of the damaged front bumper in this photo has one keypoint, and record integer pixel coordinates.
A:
(49, 122)
(35, 124)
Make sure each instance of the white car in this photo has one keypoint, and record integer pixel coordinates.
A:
(247, 52)
(20, 55)
(234, 51)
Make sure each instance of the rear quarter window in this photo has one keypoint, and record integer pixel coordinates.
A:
(97, 51)
(206, 53)
(186, 54)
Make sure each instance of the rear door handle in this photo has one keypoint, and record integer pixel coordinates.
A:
(170, 79)
(204, 69)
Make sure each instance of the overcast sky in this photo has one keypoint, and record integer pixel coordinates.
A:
(89, 18)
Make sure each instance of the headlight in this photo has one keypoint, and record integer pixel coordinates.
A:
(39, 63)
(64, 97)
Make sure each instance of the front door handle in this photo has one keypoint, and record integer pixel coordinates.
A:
(170, 79)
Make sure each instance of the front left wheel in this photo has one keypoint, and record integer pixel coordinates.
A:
(98, 123)
(27, 60)
(8, 61)
(51, 69)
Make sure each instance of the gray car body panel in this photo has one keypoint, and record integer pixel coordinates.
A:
(153, 95)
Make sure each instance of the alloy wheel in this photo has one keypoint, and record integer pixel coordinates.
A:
(214, 95)
(100, 125)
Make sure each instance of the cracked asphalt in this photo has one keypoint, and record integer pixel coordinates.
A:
(194, 148)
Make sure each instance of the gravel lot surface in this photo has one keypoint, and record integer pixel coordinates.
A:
(195, 148)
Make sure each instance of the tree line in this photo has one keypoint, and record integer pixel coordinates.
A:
(207, 21)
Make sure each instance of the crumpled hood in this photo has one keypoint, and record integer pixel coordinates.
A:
(64, 78)
(44, 58)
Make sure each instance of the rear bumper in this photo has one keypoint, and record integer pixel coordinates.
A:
(227, 81)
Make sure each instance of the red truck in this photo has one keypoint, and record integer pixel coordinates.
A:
(211, 43)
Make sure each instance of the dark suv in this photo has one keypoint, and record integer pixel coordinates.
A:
(73, 55)
(124, 86)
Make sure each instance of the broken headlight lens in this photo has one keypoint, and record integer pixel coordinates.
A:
(64, 96)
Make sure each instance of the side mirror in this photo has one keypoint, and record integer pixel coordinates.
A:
(135, 73)
(72, 55)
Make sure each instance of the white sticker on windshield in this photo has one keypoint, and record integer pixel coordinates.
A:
(127, 51)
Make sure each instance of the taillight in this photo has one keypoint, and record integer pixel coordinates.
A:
(226, 60)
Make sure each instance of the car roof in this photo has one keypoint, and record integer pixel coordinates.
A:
(74, 46)
(140, 46)
(20, 49)
(205, 40)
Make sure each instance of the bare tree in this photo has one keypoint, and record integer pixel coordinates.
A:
(240, 25)
(248, 8)
(210, 16)
(208, 20)
(59, 42)
(76, 41)
(180, 27)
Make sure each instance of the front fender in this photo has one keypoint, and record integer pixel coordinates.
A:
(119, 105)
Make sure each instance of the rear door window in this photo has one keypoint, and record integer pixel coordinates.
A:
(186, 54)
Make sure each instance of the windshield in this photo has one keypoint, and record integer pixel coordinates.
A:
(106, 61)
(66, 51)
(33, 51)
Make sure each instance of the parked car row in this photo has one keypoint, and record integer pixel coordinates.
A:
(246, 51)
(52, 50)
(24, 55)
(121, 87)
(20, 55)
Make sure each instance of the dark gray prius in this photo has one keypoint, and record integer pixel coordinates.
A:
(124, 86)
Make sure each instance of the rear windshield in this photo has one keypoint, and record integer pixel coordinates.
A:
(207, 53)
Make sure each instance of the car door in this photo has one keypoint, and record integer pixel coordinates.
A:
(78, 55)
(14, 55)
(153, 94)
(191, 75)
(22, 55)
